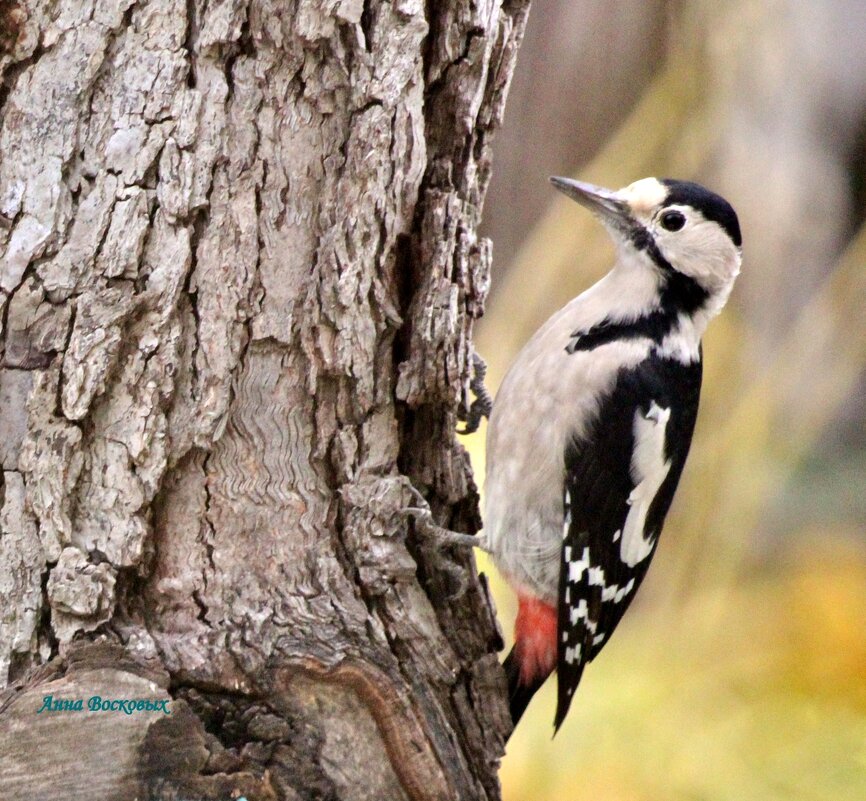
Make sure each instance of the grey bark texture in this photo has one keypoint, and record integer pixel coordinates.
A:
(239, 278)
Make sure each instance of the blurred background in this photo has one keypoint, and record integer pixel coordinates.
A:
(740, 671)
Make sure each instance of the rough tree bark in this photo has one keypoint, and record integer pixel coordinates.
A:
(239, 279)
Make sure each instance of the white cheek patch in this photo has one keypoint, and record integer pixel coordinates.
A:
(649, 468)
(719, 262)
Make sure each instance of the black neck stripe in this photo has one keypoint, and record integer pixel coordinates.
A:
(683, 293)
(655, 325)
(678, 291)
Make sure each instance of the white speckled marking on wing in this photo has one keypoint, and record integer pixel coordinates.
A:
(577, 566)
(578, 612)
(572, 655)
(596, 576)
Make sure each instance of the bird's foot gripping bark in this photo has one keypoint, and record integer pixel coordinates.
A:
(427, 527)
(483, 403)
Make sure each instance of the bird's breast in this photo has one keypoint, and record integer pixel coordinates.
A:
(548, 397)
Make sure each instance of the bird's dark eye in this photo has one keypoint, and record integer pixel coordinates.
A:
(672, 220)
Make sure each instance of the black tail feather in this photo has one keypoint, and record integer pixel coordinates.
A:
(519, 695)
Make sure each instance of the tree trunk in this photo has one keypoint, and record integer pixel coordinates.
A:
(240, 274)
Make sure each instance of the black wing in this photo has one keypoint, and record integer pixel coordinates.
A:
(598, 576)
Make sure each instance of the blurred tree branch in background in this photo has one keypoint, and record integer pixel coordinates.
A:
(740, 675)
(681, 127)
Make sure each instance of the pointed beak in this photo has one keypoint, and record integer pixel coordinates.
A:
(604, 203)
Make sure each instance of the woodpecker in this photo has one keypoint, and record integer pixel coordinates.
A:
(591, 426)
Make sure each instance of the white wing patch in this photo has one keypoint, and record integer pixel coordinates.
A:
(566, 518)
(649, 468)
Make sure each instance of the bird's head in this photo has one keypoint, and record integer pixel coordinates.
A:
(688, 234)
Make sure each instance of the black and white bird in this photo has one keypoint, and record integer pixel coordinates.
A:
(592, 424)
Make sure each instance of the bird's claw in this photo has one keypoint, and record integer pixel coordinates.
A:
(483, 403)
(426, 526)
